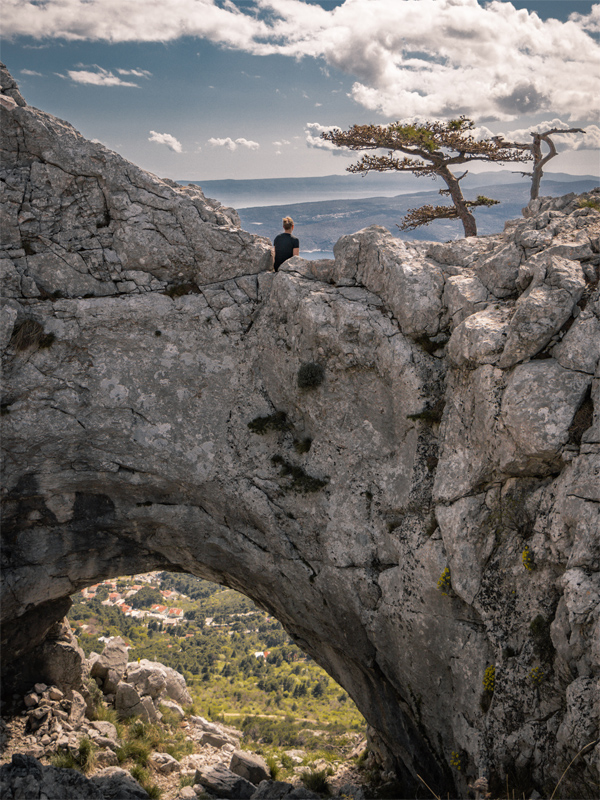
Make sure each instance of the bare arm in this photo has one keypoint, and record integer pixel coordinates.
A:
(296, 251)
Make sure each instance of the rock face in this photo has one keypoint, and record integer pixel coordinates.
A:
(422, 508)
(26, 777)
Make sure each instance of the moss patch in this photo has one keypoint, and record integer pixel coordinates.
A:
(310, 375)
(273, 422)
(301, 481)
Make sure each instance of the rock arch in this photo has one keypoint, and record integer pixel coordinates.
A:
(153, 420)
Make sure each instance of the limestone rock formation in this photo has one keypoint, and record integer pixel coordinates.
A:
(421, 512)
(25, 777)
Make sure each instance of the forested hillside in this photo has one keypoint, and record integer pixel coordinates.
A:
(239, 663)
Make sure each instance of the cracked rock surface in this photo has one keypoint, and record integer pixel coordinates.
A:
(452, 425)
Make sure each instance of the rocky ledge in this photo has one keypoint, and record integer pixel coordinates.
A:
(395, 452)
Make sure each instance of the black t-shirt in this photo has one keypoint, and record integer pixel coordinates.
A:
(285, 244)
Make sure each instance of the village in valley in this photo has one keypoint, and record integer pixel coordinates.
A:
(168, 615)
(237, 660)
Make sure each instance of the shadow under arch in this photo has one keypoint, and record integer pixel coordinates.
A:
(59, 542)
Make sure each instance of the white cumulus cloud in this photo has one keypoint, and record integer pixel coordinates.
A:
(408, 57)
(97, 76)
(233, 144)
(313, 131)
(138, 73)
(590, 140)
(31, 72)
(167, 139)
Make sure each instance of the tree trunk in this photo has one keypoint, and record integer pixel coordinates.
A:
(466, 217)
(538, 163)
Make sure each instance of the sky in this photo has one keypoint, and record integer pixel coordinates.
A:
(221, 89)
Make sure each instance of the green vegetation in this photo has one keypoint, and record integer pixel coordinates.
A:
(147, 597)
(301, 481)
(142, 776)
(316, 780)
(310, 375)
(241, 668)
(588, 202)
(273, 422)
(537, 676)
(527, 559)
(489, 679)
(444, 583)
(84, 759)
(30, 333)
(178, 290)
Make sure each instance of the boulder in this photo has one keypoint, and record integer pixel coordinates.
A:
(115, 783)
(127, 700)
(272, 790)
(186, 793)
(25, 777)
(148, 677)
(63, 661)
(105, 728)
(164, 763)
(250, 766)
(175, 708)
(224, 783)
(77, 714)
(154, 678)
(111, 664)
(107, 758)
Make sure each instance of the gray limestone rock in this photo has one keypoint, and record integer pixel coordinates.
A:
(224, 783)
(115, 783)
(127, 700)
(106, 729)
(250, 766)
(480, 338)
(538, 406)
(25, 777)
(159, 429)
(164, 763)
(147, 677)
(110, 666)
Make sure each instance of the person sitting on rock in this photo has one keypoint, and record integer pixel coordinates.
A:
(285, 244)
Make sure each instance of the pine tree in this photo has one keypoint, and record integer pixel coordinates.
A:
(429, 149)
(539, 159)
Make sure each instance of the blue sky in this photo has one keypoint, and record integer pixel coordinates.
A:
(215, 89)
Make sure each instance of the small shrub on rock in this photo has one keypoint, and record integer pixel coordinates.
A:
(489, 679)
(178, 290)
(444, 583)
(30, 333)
(527, 559)
(537, 676)
(316, 781)
(273, 422)
(301, 481)
(310, 375)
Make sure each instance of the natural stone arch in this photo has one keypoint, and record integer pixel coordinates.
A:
(105, 500)
(127, 443)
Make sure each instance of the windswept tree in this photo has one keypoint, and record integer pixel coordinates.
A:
(429, 149)
(539, 159)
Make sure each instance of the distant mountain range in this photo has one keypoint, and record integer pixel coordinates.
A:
(328, 207)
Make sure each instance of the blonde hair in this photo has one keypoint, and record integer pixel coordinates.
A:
(288, 223)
